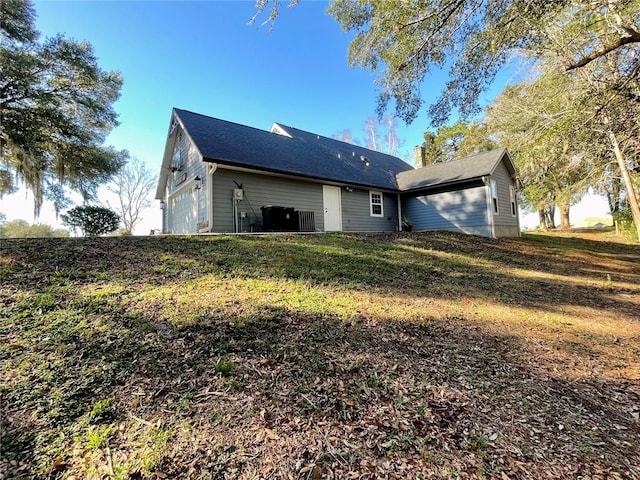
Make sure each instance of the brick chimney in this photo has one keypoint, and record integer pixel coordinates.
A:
(419, 156)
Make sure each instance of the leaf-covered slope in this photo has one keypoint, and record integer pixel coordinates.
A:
(329, 356)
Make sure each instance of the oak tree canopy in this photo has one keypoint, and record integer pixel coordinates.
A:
(56, 106)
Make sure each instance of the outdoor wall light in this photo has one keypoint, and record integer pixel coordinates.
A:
(163, 205)
(348, 189)
(197, 183)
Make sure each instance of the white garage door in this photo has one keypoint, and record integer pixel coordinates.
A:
(183, 212)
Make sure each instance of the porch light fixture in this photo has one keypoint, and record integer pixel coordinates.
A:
(197, 183)
(163, 205)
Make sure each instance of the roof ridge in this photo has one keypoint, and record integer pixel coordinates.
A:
(462, 169)
(501, 151)
(350, 145)
(221, 120)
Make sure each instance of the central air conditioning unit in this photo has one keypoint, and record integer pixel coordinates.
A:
(305, 221)
(238, 194)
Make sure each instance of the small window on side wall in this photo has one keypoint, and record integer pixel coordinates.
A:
(512, 197)
(177, 162)
(375, 203)
(494, 196)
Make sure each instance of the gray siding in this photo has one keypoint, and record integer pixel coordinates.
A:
(260, 190)
(504, 216)
(356, 210)
(263, 190)
(462, 210)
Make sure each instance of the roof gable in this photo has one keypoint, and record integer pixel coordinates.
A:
(290, 151)
(465, 169)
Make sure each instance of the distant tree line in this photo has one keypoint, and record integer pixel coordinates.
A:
(23, 229)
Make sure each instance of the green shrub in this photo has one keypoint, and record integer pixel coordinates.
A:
(92, 220)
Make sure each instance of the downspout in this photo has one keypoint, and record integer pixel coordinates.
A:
(515, 190)
(166, 214)
(235, 214)
(399, 213)
(487, 189)
(211, 170)
(163, 210)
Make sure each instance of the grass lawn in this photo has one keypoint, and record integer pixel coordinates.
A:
(430, 355)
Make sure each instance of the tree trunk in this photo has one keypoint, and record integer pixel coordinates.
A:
(551, 217)
(542, 216)
(632, 196)
(613, 198)
(565, 224)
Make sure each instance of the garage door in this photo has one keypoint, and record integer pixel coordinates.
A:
(183, 212)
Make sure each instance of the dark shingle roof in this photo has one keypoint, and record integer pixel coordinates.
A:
(303, 153)
(468, 168)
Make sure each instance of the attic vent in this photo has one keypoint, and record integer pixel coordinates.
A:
(365, 160)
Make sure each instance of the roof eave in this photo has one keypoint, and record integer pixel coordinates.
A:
(287, 173)
(443, 184)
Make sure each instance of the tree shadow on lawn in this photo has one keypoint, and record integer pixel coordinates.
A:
(78, 371)
(381, 397)
(545, 253)
(429, 265)
(414, 266)
(434, 264)
(481, 268)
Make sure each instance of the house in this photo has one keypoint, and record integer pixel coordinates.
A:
(219, 176)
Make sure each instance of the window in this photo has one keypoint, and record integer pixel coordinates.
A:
(512, 197)
(494, 196)
(177, 162)
(375, 202)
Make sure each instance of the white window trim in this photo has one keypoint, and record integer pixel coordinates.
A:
(371, 203)
(494, 197)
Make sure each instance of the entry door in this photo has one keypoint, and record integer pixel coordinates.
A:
(332, 209)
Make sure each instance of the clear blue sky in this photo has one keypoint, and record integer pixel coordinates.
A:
(205, 57)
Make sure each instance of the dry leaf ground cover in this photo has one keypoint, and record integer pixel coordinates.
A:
(429, 355)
